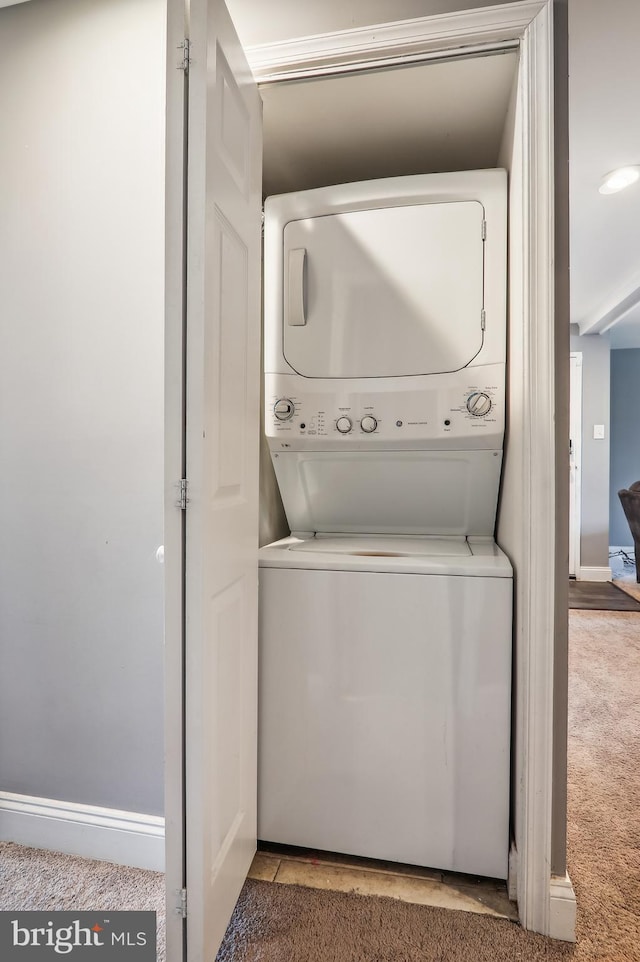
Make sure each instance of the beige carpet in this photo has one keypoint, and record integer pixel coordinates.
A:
(282, 923)
(33, 879)
(631, 587)
(604, 782)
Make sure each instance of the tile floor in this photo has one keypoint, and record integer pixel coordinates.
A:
(340, 873)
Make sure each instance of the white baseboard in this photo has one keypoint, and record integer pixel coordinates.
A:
(562, 901)
(125, 838)
(562, 911)
(593, 574)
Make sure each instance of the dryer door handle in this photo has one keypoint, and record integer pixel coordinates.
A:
(294, 302)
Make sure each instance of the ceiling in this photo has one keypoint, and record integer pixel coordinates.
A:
(604, 133)
(604, 93)
(325, 132)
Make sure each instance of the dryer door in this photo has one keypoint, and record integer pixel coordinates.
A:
(384, 293)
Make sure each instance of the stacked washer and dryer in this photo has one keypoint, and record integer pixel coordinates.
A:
(386, 616)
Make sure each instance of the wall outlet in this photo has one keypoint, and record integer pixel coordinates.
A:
(598, 432)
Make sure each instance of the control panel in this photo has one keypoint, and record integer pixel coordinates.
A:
(458, 409)
(479, 404)
(284, 409)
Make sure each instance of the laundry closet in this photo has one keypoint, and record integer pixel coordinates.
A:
(385, 608)
(421, 506)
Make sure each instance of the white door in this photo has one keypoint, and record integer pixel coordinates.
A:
(222, 445)
(575, 455)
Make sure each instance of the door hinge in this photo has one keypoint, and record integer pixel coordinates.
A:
(483, 320)
(181, 907)
(185, 46)
(484, 230)
(183, 500)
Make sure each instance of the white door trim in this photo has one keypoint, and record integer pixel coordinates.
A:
(330, 52)
(535, 634)
(575, 432)
(530, 23)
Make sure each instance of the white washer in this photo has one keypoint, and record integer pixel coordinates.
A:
(385, 620)
(385, 678)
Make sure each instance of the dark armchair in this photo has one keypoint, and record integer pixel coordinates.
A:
(630, 500)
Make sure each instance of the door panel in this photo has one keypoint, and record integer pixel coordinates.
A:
(385, 292)
(223, 378)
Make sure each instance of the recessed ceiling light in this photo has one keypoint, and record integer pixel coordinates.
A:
(619, 179)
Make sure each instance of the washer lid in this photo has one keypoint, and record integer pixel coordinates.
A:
(385, 546)
(439, 494)
(385, 292)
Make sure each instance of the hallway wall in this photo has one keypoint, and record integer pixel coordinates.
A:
(81, 393)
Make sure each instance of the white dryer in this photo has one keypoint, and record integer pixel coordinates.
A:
(385, 620)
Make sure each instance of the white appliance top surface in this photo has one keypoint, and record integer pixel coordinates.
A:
(385, 546)
(472, 557)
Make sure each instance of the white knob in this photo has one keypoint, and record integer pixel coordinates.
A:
(283, 409)
(344, 425)
(368, 424)
(160, 555)
(478, 404)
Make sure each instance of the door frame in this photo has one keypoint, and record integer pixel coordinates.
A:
(174, 470)
(546, 903)
(575, 437)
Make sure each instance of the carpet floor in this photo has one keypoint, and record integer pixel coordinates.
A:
(286, 923)
(31, 879)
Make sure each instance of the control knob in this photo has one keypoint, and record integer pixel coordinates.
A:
(479, 404)
(283, 409)
(368, 424)
(344, 425)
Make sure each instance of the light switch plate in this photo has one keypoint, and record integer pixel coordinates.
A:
(598, 432)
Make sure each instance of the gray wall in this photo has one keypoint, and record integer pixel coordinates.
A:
(625, 437)
(81, 394)
(594, 526)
